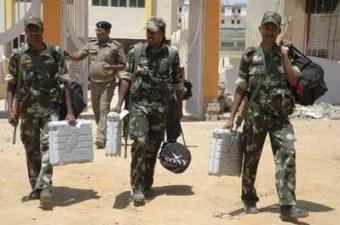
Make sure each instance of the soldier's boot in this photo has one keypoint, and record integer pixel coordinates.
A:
(100, 144)
(149, 193)
(46, 197)
(250, 208)
(138, 198)
(292, 212)
(34, 195)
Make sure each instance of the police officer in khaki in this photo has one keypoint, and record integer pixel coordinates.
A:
(106, 59)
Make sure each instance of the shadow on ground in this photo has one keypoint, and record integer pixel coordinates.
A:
(275, 208)
(123, 199)
(66, 196)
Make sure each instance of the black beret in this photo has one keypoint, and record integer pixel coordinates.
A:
(104, 24)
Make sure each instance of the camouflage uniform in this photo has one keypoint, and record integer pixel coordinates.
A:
(102, 81)
(38, 80)
(268, 113)
(154, 77)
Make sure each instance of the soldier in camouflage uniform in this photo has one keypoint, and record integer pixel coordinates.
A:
(153, 75)
(37, 73)
(106, 59)
(267, 73)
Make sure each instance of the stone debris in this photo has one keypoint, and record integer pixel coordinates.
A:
(317, 111)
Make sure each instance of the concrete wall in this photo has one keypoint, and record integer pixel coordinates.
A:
(128, 23)
(255, 10)
(297, 28)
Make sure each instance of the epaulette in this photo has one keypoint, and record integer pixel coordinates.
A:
(118, 44)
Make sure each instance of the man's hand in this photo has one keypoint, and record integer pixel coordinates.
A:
(67, 55)
(71, 119)
(285, 50)
(13, 119)
(229, 124)
(116, 109)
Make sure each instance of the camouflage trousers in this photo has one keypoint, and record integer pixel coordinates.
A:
(101, 96)
(147, 133)
(173, 124)
(282, 139)
(34, 136)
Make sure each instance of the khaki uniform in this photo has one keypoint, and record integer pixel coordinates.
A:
(102, 81)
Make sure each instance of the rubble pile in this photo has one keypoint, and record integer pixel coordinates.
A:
(317, 111)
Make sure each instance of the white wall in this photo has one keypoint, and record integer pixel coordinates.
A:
(126, 22)
(255, 11)
(168, 11)
(129, 22)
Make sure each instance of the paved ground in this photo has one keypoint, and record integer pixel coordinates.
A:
(98, 192)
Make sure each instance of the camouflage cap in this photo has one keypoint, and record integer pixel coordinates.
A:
(104, 24)
(155, 24)
(271, 17)
(33, 20)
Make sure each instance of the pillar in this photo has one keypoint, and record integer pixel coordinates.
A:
(52, 21)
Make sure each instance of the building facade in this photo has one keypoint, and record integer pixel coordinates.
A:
(128, 16)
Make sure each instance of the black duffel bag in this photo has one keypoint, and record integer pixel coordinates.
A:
(311, 77)
(174, 157)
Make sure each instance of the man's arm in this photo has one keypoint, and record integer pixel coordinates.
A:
(239, 94)
(242, 85)
(291, 74)
(12, 82)
(122, 94)
(69, 116)
(125, 78)
(80, 55)
(12, 114)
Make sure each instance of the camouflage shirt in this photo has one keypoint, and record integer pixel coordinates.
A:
(101, 53)
(275, 95)
(154, 76)
(38, 78)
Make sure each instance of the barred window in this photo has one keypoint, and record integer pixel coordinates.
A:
(120, 3)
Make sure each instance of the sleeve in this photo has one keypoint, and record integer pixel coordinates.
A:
(242, 79)
(176, 73)
(121, 59)
(84, 51)
(130, 66)
(13, 68)
(63, 73)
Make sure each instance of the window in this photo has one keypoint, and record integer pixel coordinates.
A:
(232, 21)
(233, 10)
(180, 9)
(120, 3)
(238, 22)
(222, 21)
(318, 6)
(141, 4)
(239, 11)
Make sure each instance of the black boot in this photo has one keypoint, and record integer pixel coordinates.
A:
(250, 208)
(292, 212)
